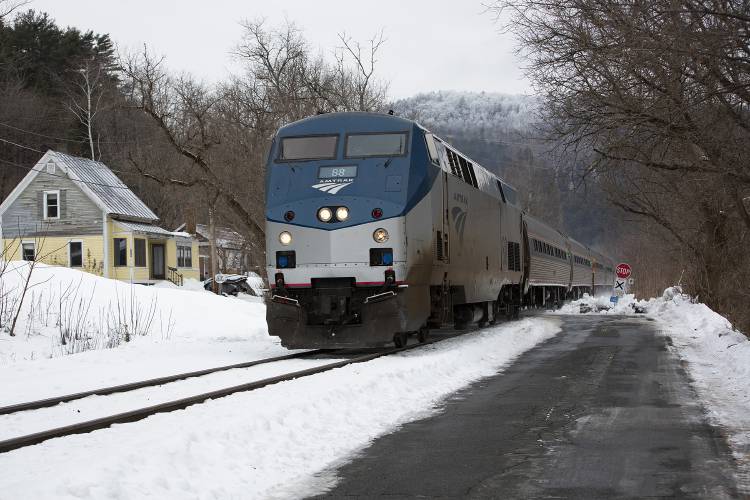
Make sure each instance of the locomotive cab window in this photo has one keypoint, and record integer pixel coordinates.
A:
(320, 147)
(364, 145)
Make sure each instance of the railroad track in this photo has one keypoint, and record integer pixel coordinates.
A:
(181, 403)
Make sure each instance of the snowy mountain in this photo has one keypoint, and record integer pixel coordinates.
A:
(484, 114)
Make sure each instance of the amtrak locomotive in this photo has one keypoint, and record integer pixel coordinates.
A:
(376, 228)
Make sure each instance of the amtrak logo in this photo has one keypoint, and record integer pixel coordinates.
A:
(459, 220)
(331, 187)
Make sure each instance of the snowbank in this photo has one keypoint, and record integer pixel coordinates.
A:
(66, 311)
(600, 304)
(276, 442)
(717, 356)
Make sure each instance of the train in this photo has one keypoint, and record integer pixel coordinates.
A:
(378, 229)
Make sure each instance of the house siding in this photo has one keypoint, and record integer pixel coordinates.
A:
(54, 251)
(79, 216)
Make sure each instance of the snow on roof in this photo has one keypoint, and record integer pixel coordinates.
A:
(102, 183)
(225, 237)
(151, 229)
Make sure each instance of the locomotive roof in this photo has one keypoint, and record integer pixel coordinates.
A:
(348, 120)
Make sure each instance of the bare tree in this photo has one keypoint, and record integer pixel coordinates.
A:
(185, 112)
(652, 99)
(86, 97)
(369, 95)
(7, 7)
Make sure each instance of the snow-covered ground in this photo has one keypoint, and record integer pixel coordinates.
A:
(276, 442)
(269, 443)
(717, 356)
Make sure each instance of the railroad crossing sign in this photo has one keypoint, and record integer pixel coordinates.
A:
(623, 271)
(620, 286)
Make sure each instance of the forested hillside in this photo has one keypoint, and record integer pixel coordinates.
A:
(502, 133)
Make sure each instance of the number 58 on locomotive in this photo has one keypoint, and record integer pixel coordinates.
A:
(376, 228)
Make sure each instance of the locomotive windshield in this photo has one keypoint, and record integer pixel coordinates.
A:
(361, 145)
(320, 147)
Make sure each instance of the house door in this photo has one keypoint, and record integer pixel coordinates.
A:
(157, 262)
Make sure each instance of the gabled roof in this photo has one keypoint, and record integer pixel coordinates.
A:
(96, 180)
(225, 237)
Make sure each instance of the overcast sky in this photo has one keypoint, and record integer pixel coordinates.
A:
(431, 45)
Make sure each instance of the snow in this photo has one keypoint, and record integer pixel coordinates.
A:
(277, 442)
(717, 358)
(481, 114)
(191, 330)
(98, 313)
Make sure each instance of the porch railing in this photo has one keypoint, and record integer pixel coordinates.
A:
(174, 276)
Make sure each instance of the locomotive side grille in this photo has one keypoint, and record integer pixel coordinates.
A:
(514, 256)
(439, 245)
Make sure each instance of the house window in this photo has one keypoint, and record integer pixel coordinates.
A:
(75, 252)
(29, 251)
(121, 252)
(52, 204)
(140, 252)
(184, 256)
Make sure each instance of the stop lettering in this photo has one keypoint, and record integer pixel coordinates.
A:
(623, 271)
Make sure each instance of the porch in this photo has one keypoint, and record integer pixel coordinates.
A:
(148, 254)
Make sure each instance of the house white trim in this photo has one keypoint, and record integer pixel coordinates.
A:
(45, 215)
(105, 233)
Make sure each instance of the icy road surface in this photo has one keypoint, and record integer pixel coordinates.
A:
(601, 411)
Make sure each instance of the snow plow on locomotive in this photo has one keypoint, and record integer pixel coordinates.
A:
(376, 228)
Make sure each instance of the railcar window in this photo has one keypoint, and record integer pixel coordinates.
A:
(321, 147)
(361, 145)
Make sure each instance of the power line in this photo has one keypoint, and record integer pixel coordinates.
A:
(20, 145)
(90, 183)
(77, 141)
(40, 135)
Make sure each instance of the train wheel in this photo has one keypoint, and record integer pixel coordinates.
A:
(422, 335)
(400, 339)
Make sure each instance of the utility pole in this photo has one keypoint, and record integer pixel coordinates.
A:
(212, 244)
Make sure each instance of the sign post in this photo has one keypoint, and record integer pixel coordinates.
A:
(620, 287)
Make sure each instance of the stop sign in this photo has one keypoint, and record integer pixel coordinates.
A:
(623, 270)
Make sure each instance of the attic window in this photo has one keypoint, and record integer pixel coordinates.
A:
(52, 204)
(50, 168)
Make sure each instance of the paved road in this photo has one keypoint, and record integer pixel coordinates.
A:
(603, 410)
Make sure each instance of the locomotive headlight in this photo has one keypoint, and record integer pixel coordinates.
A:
(285, 238)
(342, 213)
(380, 235)
(325, 214)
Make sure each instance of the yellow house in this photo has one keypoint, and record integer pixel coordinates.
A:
(76, 212)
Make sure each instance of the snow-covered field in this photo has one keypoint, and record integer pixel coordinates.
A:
(271, 443)
(279, 441)
(717, 356)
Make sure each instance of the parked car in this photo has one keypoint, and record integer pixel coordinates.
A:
(230, 284)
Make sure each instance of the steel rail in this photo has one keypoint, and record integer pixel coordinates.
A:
(103, 391)
(180, 404)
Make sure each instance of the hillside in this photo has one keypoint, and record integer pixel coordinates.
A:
(503, 134)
